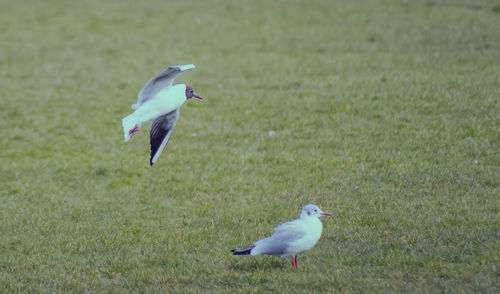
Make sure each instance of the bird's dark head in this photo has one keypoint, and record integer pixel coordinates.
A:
(190, 93)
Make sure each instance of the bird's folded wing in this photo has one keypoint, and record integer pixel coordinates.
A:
(290, 226)
(161, 81)
(278, 243)
(161, 129)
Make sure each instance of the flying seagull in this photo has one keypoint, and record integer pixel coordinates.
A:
(159, 102)
(290, 238)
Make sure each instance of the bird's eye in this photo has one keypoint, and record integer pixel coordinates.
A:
(315, 210)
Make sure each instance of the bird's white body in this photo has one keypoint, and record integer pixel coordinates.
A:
(160, 103)
(290, 238)
(163, 102)
(308, 228)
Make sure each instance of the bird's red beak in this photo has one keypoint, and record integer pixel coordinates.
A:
(196, 96)
(326, 214)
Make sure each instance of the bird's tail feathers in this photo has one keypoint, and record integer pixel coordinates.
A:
(243, 251)
(128, 123)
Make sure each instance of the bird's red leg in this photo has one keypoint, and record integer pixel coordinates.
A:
(133, 130)
(293, 263)
(296, 264)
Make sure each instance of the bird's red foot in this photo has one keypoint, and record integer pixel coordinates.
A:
(133, 130)
(294, 262)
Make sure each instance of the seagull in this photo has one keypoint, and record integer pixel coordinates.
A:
(290, 238)
(159, 102)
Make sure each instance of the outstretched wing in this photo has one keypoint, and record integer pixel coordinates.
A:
(160, 82)
(161, 129)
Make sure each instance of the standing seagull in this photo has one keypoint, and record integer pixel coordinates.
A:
(290, 238)
(159, 102)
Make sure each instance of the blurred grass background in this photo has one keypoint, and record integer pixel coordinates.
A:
(384, 113)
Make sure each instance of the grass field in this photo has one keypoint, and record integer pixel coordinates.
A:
(384, 113)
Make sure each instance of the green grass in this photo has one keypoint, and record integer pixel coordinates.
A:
(385, 113)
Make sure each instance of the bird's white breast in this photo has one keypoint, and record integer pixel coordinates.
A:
(163, 102)
(313, 228)
(171, 98)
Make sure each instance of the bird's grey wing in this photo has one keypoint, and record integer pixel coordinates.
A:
(161, 129)
(161, 81)
(277, 244)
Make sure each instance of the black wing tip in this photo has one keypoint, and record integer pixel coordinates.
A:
(243, 251)
(152, 156)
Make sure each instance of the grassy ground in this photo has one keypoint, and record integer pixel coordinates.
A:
(384, 113)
